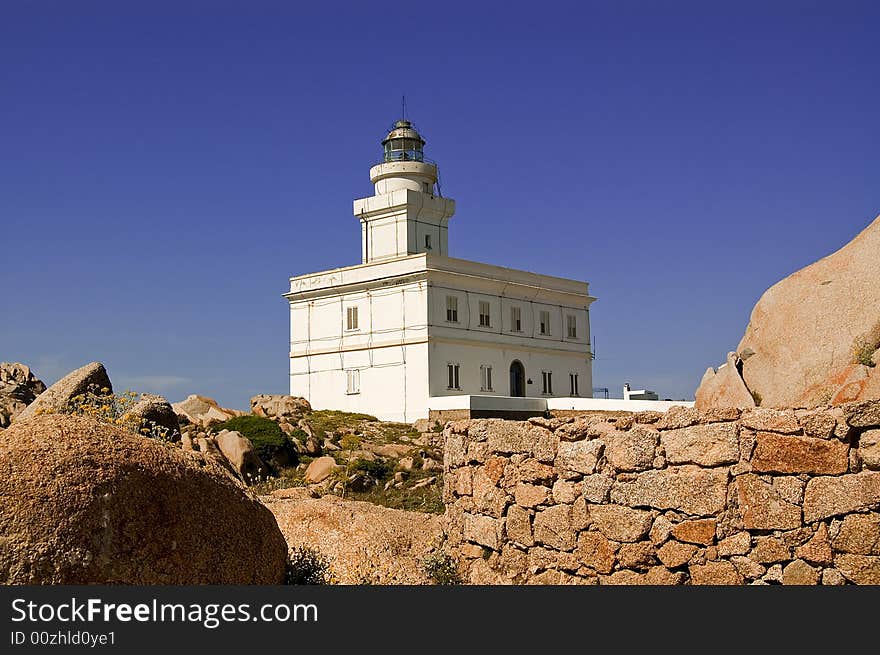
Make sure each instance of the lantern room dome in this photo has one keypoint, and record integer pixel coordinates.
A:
(403, 129)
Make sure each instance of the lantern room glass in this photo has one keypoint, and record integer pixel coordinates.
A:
(404, 150)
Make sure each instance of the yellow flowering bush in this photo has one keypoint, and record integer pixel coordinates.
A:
(115, 409)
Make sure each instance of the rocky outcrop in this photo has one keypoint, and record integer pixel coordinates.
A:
(280, 408)
(763, 496)
(203, 411)
(91, 377)
(156, 412)
(239, 451)
(724, 387)
(812, 338)
(19, 387)
(83, 502)
(364, 543)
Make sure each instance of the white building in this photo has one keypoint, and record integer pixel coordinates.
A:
(638, 394)
(410, 322)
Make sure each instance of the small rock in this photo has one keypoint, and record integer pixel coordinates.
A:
(639, 555)
(869, 449)
(674, 554)
(701, 531)
(833, 577)
(621, 523)
(736, 544)
(747, 568)
(774, 574)
(553, 528)
(799, 573)
(768, 550)
(529, 495)
(858, 534)
(596, 552)
(320, 469)
(818, 549)
(660, 530)
(721, 572)
(424, 483)
(860, 569)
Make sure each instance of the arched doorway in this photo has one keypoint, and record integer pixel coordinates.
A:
(517, 378)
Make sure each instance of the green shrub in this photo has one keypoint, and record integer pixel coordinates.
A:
(377, 469)
(441, 568)
(270, 442)
(329, 420)
(863, 352)
(427, 499)
(308, 567)
(300, 435)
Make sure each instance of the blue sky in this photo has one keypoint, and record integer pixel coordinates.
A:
(166, 167)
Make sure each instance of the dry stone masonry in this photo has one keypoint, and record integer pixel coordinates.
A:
(725, 496)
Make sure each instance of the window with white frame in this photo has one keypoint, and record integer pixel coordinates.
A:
(351, 318)
(544, 322)
(352, 381)
(486, 378)
(547, 382)
(573, 381)
(452, 309)
(484, 314)
(452, 371)
(516, 319)
(571, 320)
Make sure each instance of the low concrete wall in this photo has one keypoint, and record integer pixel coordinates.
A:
(442, 408)
(686, 497)
(613, 405)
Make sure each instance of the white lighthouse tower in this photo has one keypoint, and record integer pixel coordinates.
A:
(411, 331)
(405, 216)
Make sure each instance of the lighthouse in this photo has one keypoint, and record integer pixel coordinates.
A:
(412, 332)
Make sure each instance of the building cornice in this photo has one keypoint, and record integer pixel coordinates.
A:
(426, 266)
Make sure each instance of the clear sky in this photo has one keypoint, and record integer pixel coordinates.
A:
(166, 166)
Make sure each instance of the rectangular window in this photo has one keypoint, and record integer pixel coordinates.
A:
(573, 380)
(572, 326)
(427, 242)
(351, 318)
(547, 381)
(452, 309)
(452, 373)
(352, 381)
(486, 378)
(544, 322)
(484, 314)
(516, 319)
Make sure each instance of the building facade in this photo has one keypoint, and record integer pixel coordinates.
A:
(410, 322)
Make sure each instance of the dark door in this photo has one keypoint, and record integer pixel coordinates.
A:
(517, 379)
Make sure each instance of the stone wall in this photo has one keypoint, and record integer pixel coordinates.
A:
(686, 497)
